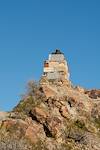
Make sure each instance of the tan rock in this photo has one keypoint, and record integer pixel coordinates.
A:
(39, 114)
(54, 124)
(34, 132)
(94, 94)
(49, 92)
(64, 112)
(3, 115)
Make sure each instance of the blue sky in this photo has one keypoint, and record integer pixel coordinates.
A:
(31, 29)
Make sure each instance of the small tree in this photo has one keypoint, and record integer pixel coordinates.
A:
(32, 87)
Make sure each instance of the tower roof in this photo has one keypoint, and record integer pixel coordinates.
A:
(57, 51)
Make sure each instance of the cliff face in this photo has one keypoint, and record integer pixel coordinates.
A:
(53, 115)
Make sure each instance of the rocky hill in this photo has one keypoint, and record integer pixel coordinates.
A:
(53, 115)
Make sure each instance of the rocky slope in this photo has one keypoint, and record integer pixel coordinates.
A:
(53, 116)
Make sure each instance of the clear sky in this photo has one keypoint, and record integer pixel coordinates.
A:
(31, 29)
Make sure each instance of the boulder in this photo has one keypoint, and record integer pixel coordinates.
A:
(39, 114)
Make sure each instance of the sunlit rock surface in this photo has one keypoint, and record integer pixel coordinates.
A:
(53, 115)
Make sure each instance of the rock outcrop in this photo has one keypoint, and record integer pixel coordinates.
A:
(3, 115)
(54, 115)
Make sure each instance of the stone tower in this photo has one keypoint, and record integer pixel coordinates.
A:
(56, 67)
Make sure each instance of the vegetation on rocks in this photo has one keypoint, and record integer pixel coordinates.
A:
(69, 120)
